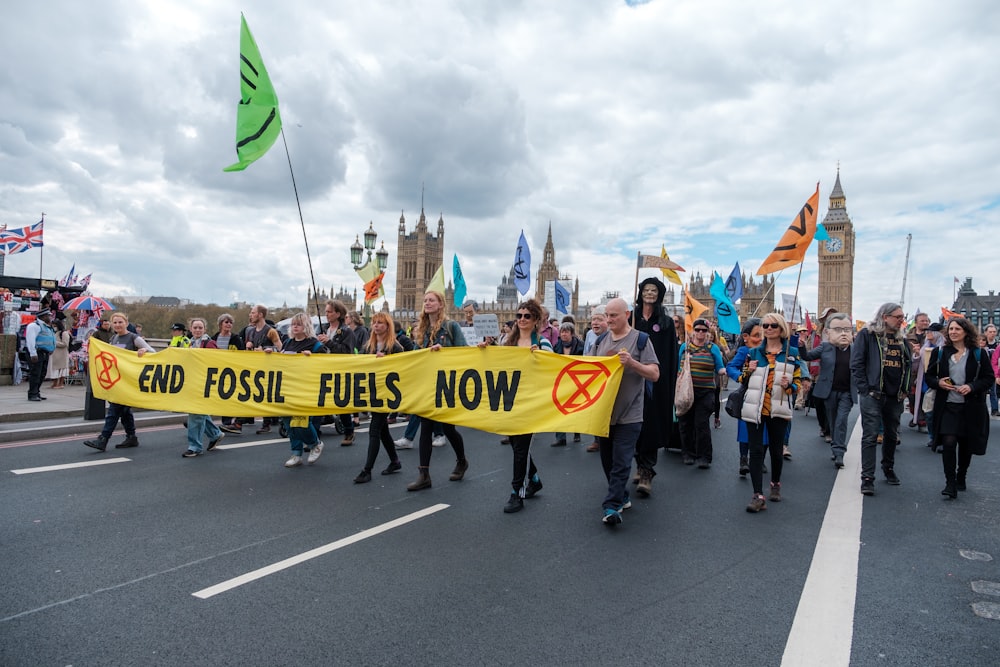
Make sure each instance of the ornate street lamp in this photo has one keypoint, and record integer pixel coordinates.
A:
(356, 253)
(381, 259)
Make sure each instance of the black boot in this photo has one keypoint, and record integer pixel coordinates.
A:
(949, 489)
(960, 480)
(100, 443)
(129, 441)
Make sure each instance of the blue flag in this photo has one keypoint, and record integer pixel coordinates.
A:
(522, 266)
(734, 284)
(459, 279)
(562, 298)
(725, 311)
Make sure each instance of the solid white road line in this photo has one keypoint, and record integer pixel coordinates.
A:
(235, 582)
(823, 629)
(69, 466)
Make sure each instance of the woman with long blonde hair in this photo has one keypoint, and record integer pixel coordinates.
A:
(434, 331)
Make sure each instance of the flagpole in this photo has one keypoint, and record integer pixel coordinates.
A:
(41, 254)
(635, 286)
(302, 221)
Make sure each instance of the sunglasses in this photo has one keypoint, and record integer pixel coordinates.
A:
(701, 330)
(524, 316)
(840, 329)
(770, 325)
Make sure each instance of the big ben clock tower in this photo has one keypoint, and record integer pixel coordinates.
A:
(836, 256)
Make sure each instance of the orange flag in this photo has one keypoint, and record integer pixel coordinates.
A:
(948, 314)
(794, 243)
(693, 309)
(373, 288)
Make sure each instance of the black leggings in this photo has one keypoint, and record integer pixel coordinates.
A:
(949, 444)
(524, 466)
(776, 429)
(378, 432)
(454, 437)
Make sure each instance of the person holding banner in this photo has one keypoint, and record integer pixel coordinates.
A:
(303, 432)
(199, 425)
(640, 365)
(381, 341)
(126, 340)
(434, 331)
(525, 483)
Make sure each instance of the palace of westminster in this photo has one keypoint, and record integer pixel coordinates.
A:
(420, 253)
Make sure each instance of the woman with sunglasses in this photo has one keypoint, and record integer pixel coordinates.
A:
(770, 403)
(706, 365)
(525, 483)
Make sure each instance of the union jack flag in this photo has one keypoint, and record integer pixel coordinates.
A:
(14, 241)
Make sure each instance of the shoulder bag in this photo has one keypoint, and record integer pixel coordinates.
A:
(684, 388)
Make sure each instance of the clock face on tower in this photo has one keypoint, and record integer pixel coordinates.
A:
(834, 244)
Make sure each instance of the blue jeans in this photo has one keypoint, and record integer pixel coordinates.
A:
(198, 426)
(302, 437)
(838, 409)
(617, 451)
(993, 398)
(879, 413)
(115, 412)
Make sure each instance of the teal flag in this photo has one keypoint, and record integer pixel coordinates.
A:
(258, 121)
(725, 311)
(459, 279)
(821, 234)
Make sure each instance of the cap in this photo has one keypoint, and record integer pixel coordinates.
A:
(701, 320)
(43, 312)
(826, 313)
(936, 326)
(177, 327)
(802, 327)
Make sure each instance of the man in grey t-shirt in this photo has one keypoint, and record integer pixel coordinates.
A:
(640, 365)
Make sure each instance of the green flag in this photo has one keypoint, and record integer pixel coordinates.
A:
(258, 120)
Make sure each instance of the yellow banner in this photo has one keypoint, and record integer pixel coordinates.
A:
(503, 390)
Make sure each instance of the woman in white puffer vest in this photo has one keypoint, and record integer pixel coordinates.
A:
(774, 376)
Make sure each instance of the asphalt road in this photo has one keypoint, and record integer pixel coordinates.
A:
(135, 562)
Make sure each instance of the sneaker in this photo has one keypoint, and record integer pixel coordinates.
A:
(316, 450)
(688, 460)
(775, 496)
(786, 453)
(757, 503)
(576, 437)
(890, 477)
(190, 454)
(627, 505)
(612, 517)
(295, 460)
(704, 464)
(215, 441)
(533, 488)
(867, 487)
(514, 504)
(363, 477)
(838, 461)
(505, 441)
(561, 442)
(744, 466)
(348, 440)
(266, 428)
(403, 443)
(235, 429)
(439, 440)
(394, 466)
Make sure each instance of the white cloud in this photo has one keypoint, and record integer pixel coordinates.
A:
(703, 125)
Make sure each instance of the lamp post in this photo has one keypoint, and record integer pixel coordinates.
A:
(357, 254)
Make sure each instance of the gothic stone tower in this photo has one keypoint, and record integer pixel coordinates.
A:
(419, 256)
(548, 270)
(836, 256)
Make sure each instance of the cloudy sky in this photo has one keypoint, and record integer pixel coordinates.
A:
(702, 125)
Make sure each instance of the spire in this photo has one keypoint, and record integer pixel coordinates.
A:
(402, 223)
(838, 191)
